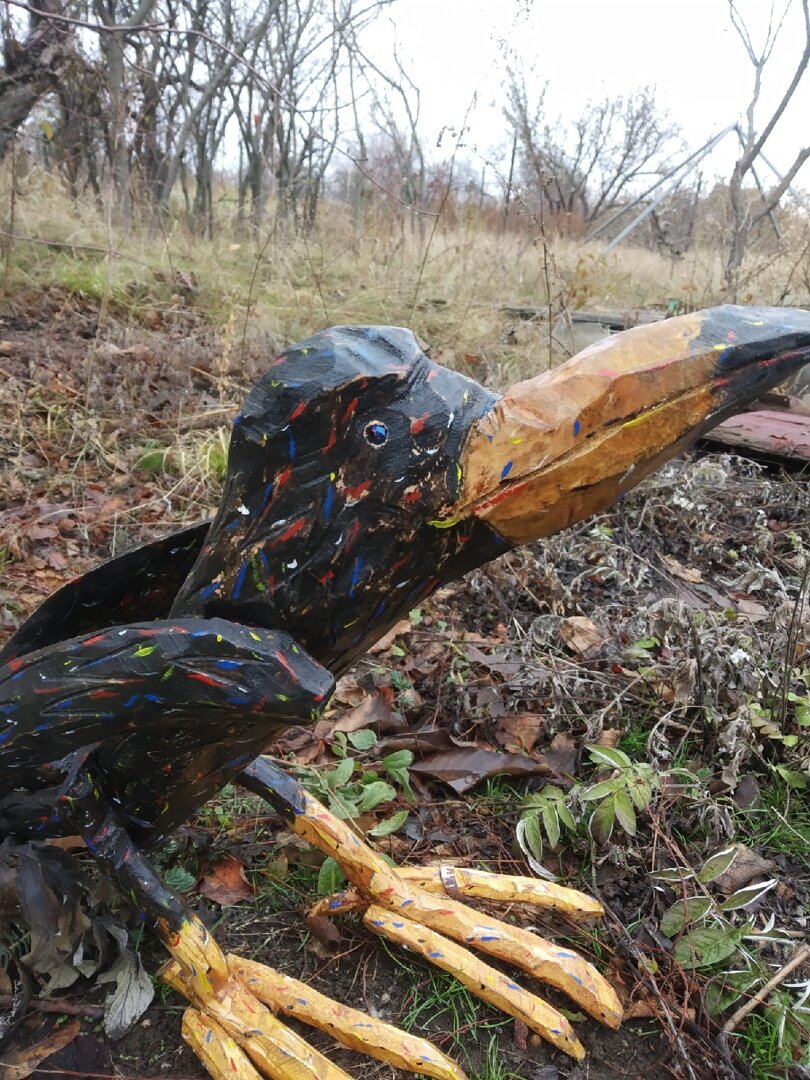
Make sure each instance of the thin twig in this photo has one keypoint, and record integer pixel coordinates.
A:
(798, 958)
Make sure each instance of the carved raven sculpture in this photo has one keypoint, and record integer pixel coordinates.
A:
(361, 476)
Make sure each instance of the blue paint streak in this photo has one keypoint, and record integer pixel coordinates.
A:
(577, 427)
(358, 563)
(209, 590)
(506, 470)
(292, 445)
(5, 735)
(228, 664)
(42, 727)
(153, 698)
(131, 701)
(240, 580)
(330, 498)
(64, 704)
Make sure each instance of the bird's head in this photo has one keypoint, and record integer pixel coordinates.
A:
(361, 475)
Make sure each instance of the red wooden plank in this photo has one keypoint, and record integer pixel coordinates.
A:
(783, 434)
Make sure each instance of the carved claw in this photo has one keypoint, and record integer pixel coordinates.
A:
(229, 1025)
(420, 911)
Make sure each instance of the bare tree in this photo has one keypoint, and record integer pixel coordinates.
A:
(583, 168)
(748, 212)
(33, 67)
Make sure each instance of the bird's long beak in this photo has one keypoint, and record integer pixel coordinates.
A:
(564, 445)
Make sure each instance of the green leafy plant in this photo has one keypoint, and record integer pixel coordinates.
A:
(354, 788)
(620, 796)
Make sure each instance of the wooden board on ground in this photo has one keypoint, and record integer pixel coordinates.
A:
(780, 434)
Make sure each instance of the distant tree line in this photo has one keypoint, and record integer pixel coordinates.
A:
(142, 102)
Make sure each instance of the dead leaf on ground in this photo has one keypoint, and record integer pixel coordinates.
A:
(17, 1064)
(324, 930)
(751, 610)
(420, 743)
(373, 712)
(678, 570)
(747, 866)
(609, 737)
(561, 755)
(225, 883)
(465, 767)
(518, 734)
(347, 691)
(582, 636)
(404, 626)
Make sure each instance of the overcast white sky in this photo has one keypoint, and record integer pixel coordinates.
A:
(686, 48)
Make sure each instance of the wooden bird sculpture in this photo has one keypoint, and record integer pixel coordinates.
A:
(361, 477)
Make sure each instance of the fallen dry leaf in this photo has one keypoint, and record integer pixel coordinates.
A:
(609, 737)
(347, 691)
(518, 734)
(404, 626)
(225, 883)
(561, 755)
(747, 866)
(17, 1064)
(678, 570)
(370, 713)
(463, 768)
(582, 636)
(324, 930)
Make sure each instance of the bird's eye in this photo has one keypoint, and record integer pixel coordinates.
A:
(375, 433)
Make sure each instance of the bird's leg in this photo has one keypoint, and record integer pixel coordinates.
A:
(227, 1023)
(407, 909)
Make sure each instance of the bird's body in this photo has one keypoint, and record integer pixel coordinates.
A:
(361, 476)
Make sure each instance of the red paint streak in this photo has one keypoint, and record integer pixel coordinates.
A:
(198, 675)
(296, 527)
(166, 768)
(413, 495)
(284, 663)
(400, 563)
(278, 360)
(299, 408)
(330, 441)
(103, 693)
(351, 409)
(94, 640)
(358, 490)
(283, 478)
(431, 375)
(354, 532)
(487, 504)
(163, 630)
(418, 424)
(15, 665)
(327, 577)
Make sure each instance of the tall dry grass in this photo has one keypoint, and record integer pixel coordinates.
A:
(449, 284)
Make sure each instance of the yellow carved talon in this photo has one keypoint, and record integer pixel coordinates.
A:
(561, 968)
(503, 888)
(482, 980)
(215, 1048)
(278, 1051)
(351, 1027)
